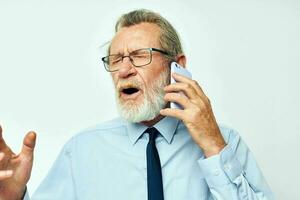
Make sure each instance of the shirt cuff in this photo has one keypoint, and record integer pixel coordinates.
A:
(221, 169)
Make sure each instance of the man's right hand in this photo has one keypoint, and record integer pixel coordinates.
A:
(15, 169)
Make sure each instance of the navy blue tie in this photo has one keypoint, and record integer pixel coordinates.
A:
(154, 178)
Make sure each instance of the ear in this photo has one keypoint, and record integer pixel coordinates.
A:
(181, 60)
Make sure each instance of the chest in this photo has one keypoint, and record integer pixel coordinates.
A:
(121, 173)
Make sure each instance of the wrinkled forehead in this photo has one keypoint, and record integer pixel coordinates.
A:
(134, 37)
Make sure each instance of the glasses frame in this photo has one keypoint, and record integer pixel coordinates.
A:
(106, 65)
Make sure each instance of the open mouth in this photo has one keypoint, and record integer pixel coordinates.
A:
(130, 91)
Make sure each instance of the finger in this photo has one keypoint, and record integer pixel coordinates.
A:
(188, 90)
(4, 174)
(183, 79)
(2, 142)
(172, 112)
(29, 144)
(1, 156)
(195, 85)
(3, 160)
(1, 138)
(177, 98)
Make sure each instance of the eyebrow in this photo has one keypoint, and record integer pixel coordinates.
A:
(116, 54)
(130, 50)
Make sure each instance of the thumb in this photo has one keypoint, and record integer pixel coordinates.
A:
(29, 144)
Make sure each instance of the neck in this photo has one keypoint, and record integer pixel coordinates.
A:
(153, 121)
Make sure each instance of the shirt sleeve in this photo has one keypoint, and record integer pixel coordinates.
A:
(59, 182)
(233, 173)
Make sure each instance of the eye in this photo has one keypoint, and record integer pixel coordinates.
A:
(140, 54)
(115, 59)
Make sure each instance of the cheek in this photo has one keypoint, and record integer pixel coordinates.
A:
(153, 74)
(145, 77)
(114, 78)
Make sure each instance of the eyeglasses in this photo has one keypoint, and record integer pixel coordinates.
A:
(138, 58)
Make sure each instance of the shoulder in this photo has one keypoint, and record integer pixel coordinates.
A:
(116, 123)
(95, 132)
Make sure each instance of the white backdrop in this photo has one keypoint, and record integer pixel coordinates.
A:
(245, 54)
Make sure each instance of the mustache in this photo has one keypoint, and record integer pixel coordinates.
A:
(123, 84)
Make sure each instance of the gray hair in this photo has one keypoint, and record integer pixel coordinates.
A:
(169, 38)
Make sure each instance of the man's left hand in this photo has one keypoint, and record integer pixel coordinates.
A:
(197, 114)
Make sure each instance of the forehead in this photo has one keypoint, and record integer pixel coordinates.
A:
(134, 37)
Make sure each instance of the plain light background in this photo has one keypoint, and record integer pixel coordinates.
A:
(245, 55)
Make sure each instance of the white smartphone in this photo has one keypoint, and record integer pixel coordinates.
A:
(175, 67)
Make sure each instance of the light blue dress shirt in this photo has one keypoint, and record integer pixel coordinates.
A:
(108, 162)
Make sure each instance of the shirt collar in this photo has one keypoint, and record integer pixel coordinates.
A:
(167, 127)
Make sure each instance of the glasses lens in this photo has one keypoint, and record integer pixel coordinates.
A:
(140, 57)
(111, 62)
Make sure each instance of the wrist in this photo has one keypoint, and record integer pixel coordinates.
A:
(214, 149)
(213, 144)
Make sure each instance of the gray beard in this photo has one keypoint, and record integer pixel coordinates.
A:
(150, 106)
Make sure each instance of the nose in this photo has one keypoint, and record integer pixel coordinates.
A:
(126, 69)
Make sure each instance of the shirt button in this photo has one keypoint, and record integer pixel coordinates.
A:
(216, 172)
(227, 167)
(239, 179)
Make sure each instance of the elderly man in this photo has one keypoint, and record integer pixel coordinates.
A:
(152, 151)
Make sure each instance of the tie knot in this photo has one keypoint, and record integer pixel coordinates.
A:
(153, 133)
